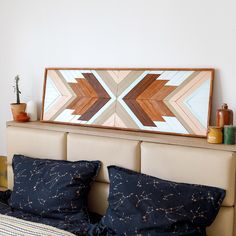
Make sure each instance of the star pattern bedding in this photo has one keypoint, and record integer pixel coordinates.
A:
(52, 188)
(139, 204)
(143, 205)
(51, 192)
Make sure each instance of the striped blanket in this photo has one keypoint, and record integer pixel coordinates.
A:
(11, 226)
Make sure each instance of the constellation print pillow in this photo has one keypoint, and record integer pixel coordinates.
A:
(52, 188)
(144, 205)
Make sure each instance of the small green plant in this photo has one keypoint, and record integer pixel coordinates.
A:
(16, 89)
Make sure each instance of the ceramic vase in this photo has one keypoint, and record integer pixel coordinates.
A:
(32, 110)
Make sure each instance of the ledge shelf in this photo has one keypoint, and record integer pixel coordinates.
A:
(122, 134)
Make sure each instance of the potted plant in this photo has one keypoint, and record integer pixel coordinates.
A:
(17, 107)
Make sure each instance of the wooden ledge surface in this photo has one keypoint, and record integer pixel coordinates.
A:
(122, 134)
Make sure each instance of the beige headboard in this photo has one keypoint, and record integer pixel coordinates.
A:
(177, 163)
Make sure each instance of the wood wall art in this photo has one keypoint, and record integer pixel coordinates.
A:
(176, 101)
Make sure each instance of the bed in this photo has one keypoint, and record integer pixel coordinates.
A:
(171, 162)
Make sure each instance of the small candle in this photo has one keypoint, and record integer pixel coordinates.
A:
(32, 110)
(229, 134)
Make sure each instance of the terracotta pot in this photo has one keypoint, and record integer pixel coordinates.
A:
(16, 109)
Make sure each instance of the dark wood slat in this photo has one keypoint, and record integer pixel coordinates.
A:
(94, 109)
(151, 100)
(139, 112)
(101, 92)
(141, 86)
(86, 96)
(130, 99)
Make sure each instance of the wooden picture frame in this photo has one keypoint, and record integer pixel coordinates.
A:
(162, 100)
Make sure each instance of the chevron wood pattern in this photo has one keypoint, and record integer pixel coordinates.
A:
(176, 101)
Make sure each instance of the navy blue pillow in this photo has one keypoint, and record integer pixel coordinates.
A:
(52, 188)
(144, 205)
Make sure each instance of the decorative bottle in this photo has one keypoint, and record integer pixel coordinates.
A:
(224, 116)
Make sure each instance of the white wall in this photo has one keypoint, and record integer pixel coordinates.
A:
(35, 34)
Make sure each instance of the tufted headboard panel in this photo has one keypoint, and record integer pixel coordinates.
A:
(34, 143)
(172, 162)
(110, 151)
(195, 166)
